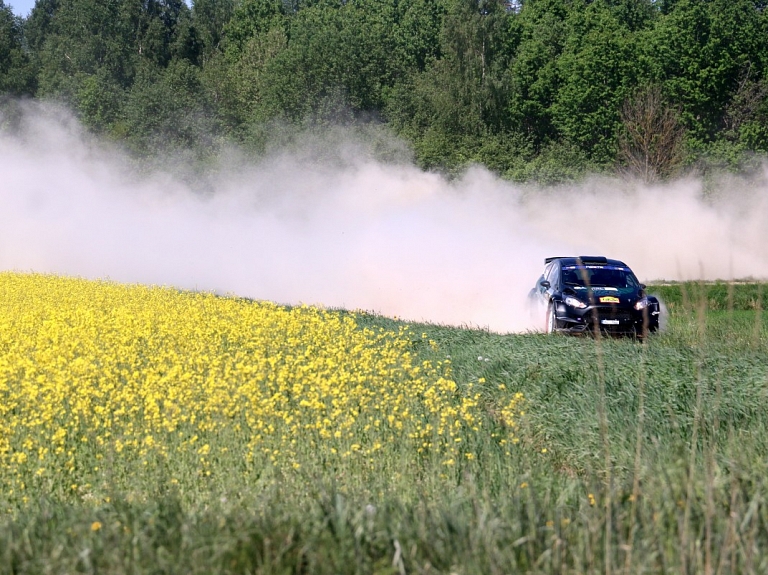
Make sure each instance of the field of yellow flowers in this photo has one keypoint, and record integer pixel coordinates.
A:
(103, 386)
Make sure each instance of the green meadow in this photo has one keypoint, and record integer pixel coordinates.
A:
(632, 458)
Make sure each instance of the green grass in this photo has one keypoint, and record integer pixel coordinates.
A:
(715, 296)
(634, 458)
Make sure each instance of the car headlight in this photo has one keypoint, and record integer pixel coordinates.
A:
(642, 304)
(573, 302)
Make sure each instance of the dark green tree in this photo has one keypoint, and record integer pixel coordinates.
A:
(340, 59)
(251, 19)
(598, 68)
(700, 51)
(17, 75)
(166, 112)
(89, 51)
(457, 105)
(78, 38)
(234, 77)
(536, 39)
(38, 25)
(210, 18)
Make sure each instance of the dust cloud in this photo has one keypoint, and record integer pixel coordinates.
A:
(360, 234)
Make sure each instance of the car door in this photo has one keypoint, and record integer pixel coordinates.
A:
(551, 274)
(554, 279)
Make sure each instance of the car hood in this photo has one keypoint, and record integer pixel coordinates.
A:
(607, 295)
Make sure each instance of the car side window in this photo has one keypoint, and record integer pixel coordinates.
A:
(551, 273)
(545, 276)
(547, 269)
(554, 276)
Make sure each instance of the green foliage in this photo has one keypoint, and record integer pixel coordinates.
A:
(16, 73)
(99, 100)
(238, 89)
(251, 18)
(599, 65)
(82, 38)
(556, 162)
(537, 40)
(699, 51)
(532, 90)
(719, 296)
(166, 111)
(456, 106)
(211, 18)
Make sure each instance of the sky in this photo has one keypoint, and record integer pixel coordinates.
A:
(21, 7)
(24, 7)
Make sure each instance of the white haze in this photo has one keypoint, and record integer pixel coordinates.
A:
(363, 235)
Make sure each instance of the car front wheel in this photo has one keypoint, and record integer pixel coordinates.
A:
(551, 322)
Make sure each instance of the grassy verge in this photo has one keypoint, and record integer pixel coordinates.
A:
(632, 458)
(714, 296)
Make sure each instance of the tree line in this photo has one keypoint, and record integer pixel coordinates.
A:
(533, 89)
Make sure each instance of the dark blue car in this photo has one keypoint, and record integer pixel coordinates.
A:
(594, 294)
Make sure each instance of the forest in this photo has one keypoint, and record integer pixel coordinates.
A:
(535, 90)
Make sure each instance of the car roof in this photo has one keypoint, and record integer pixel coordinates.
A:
(580, 260)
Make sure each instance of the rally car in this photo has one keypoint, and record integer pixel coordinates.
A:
(593, 294)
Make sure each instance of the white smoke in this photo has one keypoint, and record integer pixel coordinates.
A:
(369, 235)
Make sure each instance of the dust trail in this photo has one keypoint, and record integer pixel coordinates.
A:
(361, 234)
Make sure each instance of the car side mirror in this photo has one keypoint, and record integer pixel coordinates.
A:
(545, 284)
(643, 286)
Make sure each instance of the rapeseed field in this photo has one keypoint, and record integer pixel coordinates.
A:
(105, 386)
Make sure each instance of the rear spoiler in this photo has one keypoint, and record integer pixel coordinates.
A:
(584, 259)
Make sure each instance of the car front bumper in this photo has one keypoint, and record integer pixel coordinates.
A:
(613, 319)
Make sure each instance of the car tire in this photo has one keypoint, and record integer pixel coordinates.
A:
(550, 325)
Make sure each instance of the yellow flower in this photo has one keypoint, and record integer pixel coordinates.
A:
(149, 379)
(96, 525)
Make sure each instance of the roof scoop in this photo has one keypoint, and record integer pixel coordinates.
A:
(584, 259)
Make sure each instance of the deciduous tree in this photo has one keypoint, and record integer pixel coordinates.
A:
(651, 141)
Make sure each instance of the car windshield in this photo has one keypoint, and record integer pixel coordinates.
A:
(598, 276)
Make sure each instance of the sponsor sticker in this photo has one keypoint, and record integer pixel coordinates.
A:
(609, 299)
